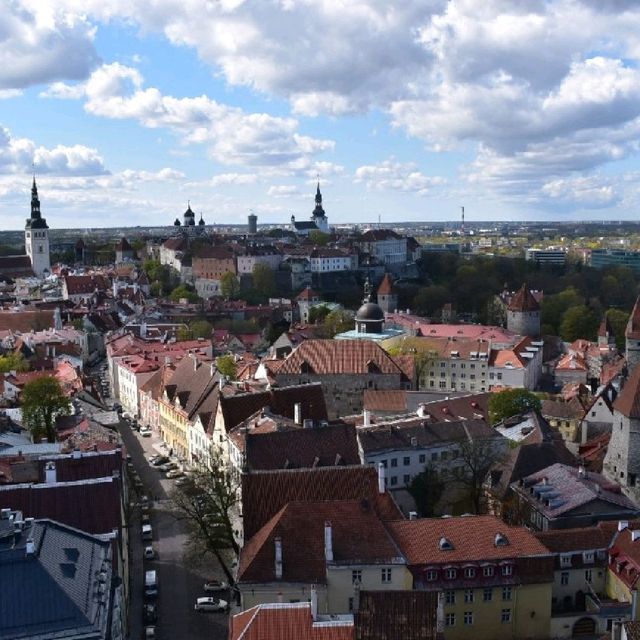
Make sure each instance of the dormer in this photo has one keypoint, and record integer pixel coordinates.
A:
(445, 544)
(500, 540)
(306, 368)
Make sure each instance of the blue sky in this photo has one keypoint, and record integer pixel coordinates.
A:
(406, 110)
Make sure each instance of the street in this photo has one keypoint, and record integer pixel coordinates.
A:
(178, 585)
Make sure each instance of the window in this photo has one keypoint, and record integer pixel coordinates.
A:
(394, 462)
(432, 575)
(434, 456)
(588, 557)
(350, 605)
(487, 594)
(507, 570)
(468, 617)
(564, 578)
(444, 455)
(487, 571)
(468, 595)
(384, 463)
(422, 458)
(406, 461)
(442, 364)
(506, 593)
(588, 576)
(450, 619)
(394, 480)
(450, 574)
(449, 597)
(442, 384)
(565, 560)
(406, 478)
(469, 572)
(356, 576)
(385, 575)
(505, 616)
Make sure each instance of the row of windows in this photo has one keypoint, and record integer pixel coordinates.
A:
(443, 385)
(385, 575)
(467, 617)
(422, 458)
(463, 365)
(451, 573)
(469, 595)
(588, 577)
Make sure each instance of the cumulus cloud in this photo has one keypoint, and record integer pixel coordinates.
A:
(223, 179)
(232, 135)
(396, 176)
(42, 43)
(17, 155)
(283, 191)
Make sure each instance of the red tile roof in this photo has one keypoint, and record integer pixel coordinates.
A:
(358, 537)
(264, 493)
(275, 621)
(473, 539)
(579, 539)
(25, 321)
(386, 286)
(85, 284)
(633, 325)
(330, 357)
(523, 300)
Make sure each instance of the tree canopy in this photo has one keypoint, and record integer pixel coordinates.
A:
(13, 362)
(229, 285)
(227, 366)
(511, 402)
(182, 291)
(264, 280)
(42, 400)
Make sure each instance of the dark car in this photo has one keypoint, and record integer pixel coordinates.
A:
(159, 461)
(150, 613)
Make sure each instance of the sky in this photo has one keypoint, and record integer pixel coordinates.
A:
(405, 110)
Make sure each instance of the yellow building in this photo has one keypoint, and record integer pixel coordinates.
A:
(496, 579)
(341, 547)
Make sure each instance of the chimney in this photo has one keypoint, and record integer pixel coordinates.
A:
(622, 524)
(366, 414)
(314, 602)
(413, 515)
(212, 368)
(50, 475)
(297, 412)
(278, 543)
(30, 548)
(635, 535)
(328, 542)
(381, 484)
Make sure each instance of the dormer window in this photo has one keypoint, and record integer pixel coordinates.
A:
(501, 540)
(445, 544)
(588, 557)
(507, 570)
(450, 574)
(469, 572)
(565, 560)
(487, 572)
(305, 367)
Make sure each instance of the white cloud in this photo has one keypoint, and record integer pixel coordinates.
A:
(396, 176)
(591, 192)
(18, 154)
(224, 179)
(283, 191)
(43, 43)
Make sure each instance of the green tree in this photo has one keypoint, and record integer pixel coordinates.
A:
(554, 307)
(429, 299)
(618, 320)
(13, 362)
(319, 238)
(229, 285)
(207, 504)
(579, 322)
(511, 402)
(42, 400)
(476, 458)
(183, 292)
(227, 366)
(337, 321)
(264, 280)
(318, 313)
(426, 490)
(201, 329)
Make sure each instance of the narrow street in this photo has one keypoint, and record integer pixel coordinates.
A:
(178, 585)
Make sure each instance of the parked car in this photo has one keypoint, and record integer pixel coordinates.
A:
(147, 532)
(153, 457)
(146, 518)
(210, 586)
(183, 481)
(150, 613)
(145, 434)
(149, 553)
(174, 473)
(160, 460)
(210, 604)
(168, 466)
(149, 633)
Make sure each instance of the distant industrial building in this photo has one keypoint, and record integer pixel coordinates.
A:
(601, 258)
(546, 256)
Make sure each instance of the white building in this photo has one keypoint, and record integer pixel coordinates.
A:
(327, 259)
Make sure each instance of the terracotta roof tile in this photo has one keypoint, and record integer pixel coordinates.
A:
(386, 286)
(264, 493)
(523, 300)
(633, 325)
(473, 539)
(628, 400)
(579, 539)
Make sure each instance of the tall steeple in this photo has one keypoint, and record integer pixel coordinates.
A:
(36, 236)
(35, 201)
(318, 216)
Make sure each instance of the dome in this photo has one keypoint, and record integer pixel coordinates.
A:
(370, 312)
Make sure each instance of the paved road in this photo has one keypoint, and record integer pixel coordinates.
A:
(178, 585)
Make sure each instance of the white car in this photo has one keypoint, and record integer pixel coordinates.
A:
(174, 473)
(211, 586)
(145, 432)
(149, 553)
(149, 632)
(147, 532)
(210, 604)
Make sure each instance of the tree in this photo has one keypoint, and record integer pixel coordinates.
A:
(618, 320)
(207, 503)
(318, 313)
(13, 362)
(512, 402)
(422, 357)
(183, 292)
(477, 457)
(229, 285)
(264, 280)
(337, 321)
(426, 490)
(578, 322)
(319, 238)
(227, 366)
(43, 400)
(201, 329)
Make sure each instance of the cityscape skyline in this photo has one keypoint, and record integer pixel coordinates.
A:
(405, 113)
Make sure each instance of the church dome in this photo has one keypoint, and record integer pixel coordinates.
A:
(369, 312)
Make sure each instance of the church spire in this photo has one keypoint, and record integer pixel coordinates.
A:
(35, 201)
(318, 195)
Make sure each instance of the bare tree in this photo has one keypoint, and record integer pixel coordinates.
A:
(207, 503)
